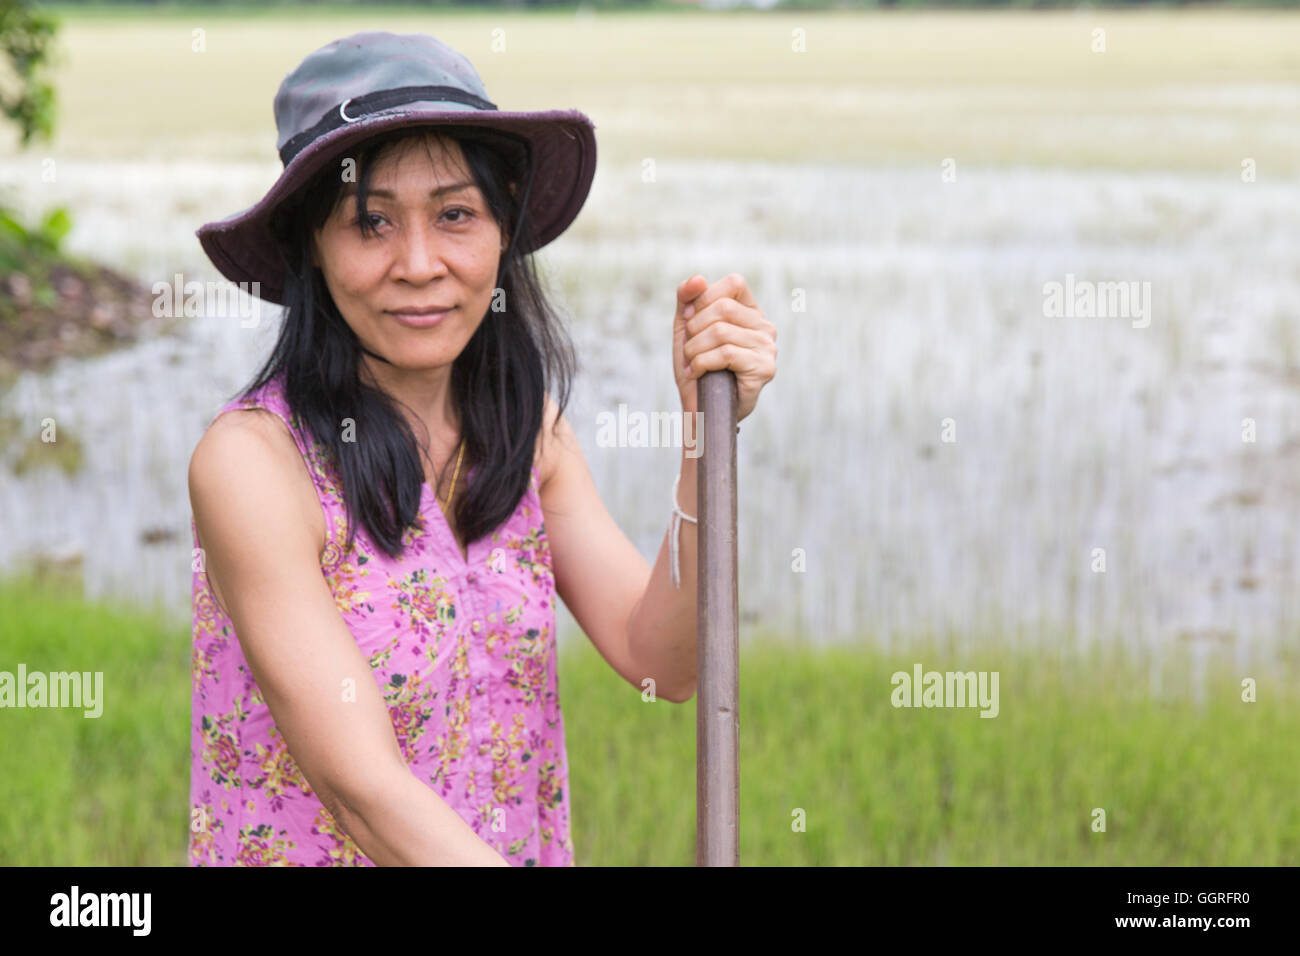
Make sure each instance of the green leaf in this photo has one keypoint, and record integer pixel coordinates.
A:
(57, 225)
(13, 227)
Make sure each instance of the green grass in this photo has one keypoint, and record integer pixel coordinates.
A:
(1180, 785)
(103, 791)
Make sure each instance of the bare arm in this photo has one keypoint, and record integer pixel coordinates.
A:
(663, 625)
(261, 529)
(642, 625)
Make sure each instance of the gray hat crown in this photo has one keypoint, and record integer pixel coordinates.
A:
(365, 63)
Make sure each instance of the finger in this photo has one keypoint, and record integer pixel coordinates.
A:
(733, 312)
(687, 291)
(722, 333)
(729, 286)
(741, 360)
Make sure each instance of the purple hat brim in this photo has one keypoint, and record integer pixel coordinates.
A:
(564, 155)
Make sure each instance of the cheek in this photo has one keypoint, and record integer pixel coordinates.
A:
(487, 267)
(488, 277)
(352, 270)
(473, 272)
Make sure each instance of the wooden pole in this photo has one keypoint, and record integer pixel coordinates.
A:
(717, 766)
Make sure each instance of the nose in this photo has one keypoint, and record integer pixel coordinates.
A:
(417, 256)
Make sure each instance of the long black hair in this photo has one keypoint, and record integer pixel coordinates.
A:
(498, 382)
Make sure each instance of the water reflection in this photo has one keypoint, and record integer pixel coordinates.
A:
(936, 453)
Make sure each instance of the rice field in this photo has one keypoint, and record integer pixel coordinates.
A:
(948, 459)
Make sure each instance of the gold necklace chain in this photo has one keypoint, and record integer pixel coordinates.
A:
(455, 474)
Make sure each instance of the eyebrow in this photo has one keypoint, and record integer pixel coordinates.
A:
(351, 189)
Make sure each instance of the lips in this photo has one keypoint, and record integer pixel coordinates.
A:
(421, 318)
(422, 309)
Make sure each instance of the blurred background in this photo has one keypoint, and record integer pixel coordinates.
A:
(1100, 507)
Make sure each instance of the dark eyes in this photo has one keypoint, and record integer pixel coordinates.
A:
(370, 225)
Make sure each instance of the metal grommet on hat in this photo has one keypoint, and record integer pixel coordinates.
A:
(373, 82)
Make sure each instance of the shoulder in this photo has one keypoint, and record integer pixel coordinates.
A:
(248, 454)
(239, 436)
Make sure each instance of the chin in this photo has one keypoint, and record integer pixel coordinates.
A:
(420, 359)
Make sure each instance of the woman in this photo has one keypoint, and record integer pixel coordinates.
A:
(386, 514)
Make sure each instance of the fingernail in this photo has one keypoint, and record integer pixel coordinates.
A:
(688, 312)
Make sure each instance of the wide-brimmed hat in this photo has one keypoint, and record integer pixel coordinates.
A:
(376, 81)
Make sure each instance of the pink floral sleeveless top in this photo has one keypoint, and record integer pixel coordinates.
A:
(463, 652)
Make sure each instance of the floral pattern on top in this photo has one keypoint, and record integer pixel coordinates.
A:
(463, 652)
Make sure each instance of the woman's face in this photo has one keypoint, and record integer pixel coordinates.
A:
(435, 245)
